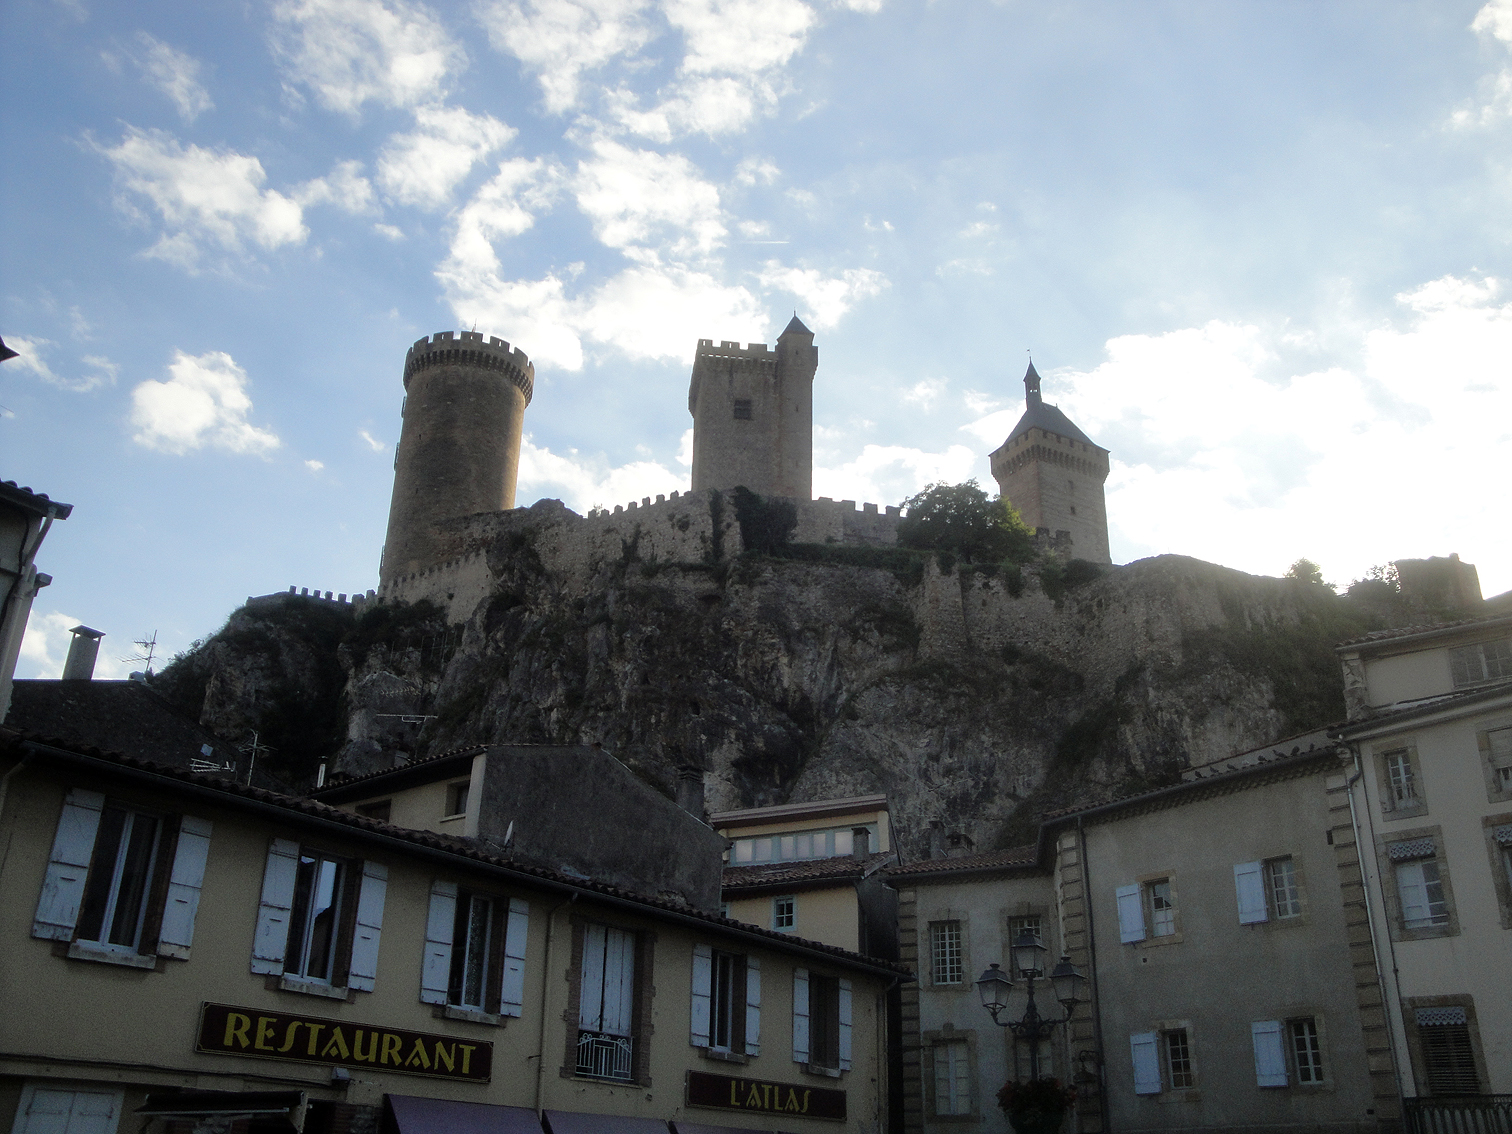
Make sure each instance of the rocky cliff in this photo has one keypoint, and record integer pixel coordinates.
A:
(974, 696)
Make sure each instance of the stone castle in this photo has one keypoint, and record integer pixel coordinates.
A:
(456, 464)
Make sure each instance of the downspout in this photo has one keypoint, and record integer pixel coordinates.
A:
(1387, 1010)
(545, 1000)
(1097, 1036)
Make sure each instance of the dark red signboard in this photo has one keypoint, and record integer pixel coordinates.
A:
(727, 1092)
(227, 1030)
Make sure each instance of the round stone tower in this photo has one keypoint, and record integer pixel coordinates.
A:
(459, 447)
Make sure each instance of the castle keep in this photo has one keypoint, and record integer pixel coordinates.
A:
(459, 446)
(1053, 473)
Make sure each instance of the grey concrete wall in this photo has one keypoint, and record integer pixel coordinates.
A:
(578, 809)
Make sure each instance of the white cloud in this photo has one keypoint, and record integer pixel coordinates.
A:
(30, 353)
(632, 195)
(203, 196)
(828, 299)
(204, 403)
(685, 448)
(373, 443)
(175, 73)
(925, 392)
(344, 187)
(349, 52)
(1493, 21)
(314, 466)
(739, 37)
(424, 166)
(44, 649)
(886, 474)
(583, 483)
(389, 232)
(562, 39)
(755, 171)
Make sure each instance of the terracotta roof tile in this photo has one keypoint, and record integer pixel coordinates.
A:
(989, 860)
(810, 870)
(1428, 628)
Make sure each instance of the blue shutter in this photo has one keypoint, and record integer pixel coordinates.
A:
(1249, 889)
(68, 866)
(753, 1006)
(1143, 1047)
(440, 924)
(702, 995)
(800, 1016)
(272, 937)
(1131, 924)
(1270, 1059)
(184, 885)
(845, 1024)
(362, 973)
(512, 989)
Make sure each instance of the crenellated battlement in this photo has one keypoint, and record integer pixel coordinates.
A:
(471, 348)
(357, 601)
(751, 352)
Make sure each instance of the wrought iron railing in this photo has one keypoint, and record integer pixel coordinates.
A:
(1459, 1114)
(603, 1056)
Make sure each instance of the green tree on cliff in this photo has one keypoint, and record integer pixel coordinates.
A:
(962, 519)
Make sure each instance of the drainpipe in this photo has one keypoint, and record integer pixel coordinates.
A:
(1097, 1035)
(546, 999)
(1390, 1011)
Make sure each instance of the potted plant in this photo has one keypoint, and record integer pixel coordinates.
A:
(1036, 1107)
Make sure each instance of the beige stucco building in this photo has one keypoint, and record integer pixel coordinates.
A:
(169, 933)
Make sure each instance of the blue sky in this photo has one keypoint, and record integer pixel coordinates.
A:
(1259, 251)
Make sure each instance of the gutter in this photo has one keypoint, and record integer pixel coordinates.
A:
(400, 844)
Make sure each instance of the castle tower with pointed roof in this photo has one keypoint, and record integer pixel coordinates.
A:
(753, 414)
(1053, 473)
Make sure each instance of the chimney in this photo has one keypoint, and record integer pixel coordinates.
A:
(690, 790)
(82, 653)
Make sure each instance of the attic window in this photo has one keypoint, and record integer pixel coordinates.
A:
(742, 409)
(379, 810)
(456, 799)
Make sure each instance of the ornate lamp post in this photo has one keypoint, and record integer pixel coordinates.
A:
(1028, 961)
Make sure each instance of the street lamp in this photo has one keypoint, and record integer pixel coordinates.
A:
(1028, 961)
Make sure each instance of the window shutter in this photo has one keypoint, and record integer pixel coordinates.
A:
(277, 903)
(800, 1016)
(1142, 1046)
(512, 989)
(1413, 893)
(73, 846)
(184, 884)
(703, 987)
(440, 923)
(1131, 926)
(753, 1006)
(1249, 887)
(845, 1024)
(619, 982)
(591, 992)
(363, 971)
(1270, 1059)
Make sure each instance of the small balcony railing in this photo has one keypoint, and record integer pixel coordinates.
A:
(603, 1056)
(1459, 1114)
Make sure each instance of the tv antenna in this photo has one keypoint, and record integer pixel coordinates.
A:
(254, 748)
(146, 649)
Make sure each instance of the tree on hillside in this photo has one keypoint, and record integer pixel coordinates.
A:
(1306, 571)
(962, 519)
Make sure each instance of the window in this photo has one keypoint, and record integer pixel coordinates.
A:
(742, 409)
(122, 885)
(1286, 1051)
(319, 921)
(1178, 1059)
(456, 799)
(1484, 661)
(606, 1004)
(46, 1109)
(785, 912)
(1496, 756)
(1421, 890)
(1448, 1058)
(1162, 908)
(1029, 923)
(821, 1022)
(1401, 783)
(1162, 1061)
(1281, 883)
(1268, 889)
(726, 1004)
(945, 952)
(833, 843)
(952, 1078)
(381, 810)
(1306, 1050)
(474, 953)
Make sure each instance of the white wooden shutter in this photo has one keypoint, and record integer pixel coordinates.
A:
(363, 971)
(702, 997)
(800, 1016)
(845, 1024)
(1144, 1048)
(1131, 925)
(68, 867)
(619, 982)
(591, 991)
(512, 988)
(440, 924)
(1249, 888)
(273, 912)
(753, 1006)
(1270, 1059)
(184, 885)
(1413, 893)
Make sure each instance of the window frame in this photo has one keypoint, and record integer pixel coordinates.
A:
(1292, 1025)
(1387, 865)
(457, 793)
(1485, 678)
(1499, 855)
(1496, 790)
(939, 943)
(1297, 898)
(791, 913)
(746, 404)
(829, 1000)
(1160, 1038)
(642, 992)
(444, 972)
(1383, 755)
(966, 1107)
(1417, 1054)
(343, 909)
(1148, 896)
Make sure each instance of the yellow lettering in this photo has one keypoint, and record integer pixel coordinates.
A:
(792, 1103)
(449, 1057)
(368, 1056)
(236, 1028)
(806, 1095)
(264, 1032)
(289, 1037)
(467, 1050)
(315, 1030)
(417, 1056)
(754, 1098)
(336, 1045)
(391, 1045)
(734, 1084)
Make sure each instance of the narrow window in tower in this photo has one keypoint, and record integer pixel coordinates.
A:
(742, 409)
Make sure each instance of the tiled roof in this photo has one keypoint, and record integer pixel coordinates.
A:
(1429, 628)
(989, 860)
(37, 502)
(449, 844)
(1423, 707)
(337, 785)
(765, 874)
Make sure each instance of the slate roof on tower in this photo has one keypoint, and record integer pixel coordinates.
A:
(1040, 415)
(795, 327)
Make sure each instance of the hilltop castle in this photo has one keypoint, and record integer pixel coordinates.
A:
(465, 398)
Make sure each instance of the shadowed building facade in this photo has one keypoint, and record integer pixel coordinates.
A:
(1053, 473)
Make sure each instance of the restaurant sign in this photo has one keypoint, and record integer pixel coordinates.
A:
(730, 1093)
(227, 1030)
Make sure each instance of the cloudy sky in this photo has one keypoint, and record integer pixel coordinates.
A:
(1260, 250)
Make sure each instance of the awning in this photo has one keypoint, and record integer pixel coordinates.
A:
(568, 1122)
(407, 1114)
(222, 1104)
